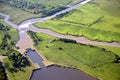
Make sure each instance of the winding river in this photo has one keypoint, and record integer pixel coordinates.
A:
(26, 42)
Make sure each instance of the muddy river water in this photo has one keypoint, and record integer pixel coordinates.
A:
(52, 72)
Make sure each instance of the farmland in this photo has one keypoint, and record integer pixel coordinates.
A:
(95, 23)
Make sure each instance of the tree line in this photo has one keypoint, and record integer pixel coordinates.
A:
(25, 5)
(33, 7)
(17, 60)
(35, 38)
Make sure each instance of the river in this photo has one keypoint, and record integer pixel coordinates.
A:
(26, 42)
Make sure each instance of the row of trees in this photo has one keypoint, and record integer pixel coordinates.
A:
(16, 59)
(35, 38)
(33, 7)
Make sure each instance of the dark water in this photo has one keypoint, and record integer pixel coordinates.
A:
(35, 57)
(55, 72)
(59, 73)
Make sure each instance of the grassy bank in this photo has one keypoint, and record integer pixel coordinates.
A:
(32, 8)
(11, 32)
(93, 60)
(93, 20)
(112, 49)
(8, 37)
(18, 66)
(16, 18)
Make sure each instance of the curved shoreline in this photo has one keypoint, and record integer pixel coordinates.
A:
(27, 25)
(26, 42)
(79, 39)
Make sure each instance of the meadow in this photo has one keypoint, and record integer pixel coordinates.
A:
(16, 15)
(32, 8)
(95, 20)
(96, 61)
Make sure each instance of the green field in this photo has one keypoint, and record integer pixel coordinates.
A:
(94, 20)
(19, 14)
(112, 49)
(96, 61)
(19, 17)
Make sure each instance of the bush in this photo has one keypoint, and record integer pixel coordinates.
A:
(67, 40)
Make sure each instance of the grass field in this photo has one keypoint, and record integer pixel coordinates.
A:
(24, 75)
(93, 60)
(112, 49)
(12, 32)
(55, 2)
(95, 20)
(16, 15)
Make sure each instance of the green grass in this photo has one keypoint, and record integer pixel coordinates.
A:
(112, 49)
(24, 14)
(1, 36)
(91, 20)
(92, 60)
(16, 15)
(24, 75)
(12, 33)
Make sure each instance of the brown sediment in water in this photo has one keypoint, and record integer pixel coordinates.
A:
(24, 42)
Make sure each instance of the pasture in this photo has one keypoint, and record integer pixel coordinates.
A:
(91, 20)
